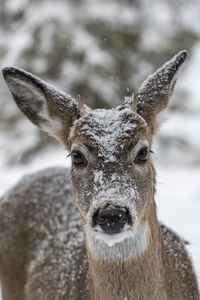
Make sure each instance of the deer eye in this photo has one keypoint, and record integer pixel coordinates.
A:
(78, 159)
(142, 155)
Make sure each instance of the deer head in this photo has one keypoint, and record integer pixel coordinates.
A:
(113, 178)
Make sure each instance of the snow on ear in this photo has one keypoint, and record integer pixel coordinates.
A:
(153, 95)
(47, 107)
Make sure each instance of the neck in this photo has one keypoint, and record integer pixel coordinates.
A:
(136, 277)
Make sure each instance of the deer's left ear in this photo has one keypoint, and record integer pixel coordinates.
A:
(153, 95)
(46, 106)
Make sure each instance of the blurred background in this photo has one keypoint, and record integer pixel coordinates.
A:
(103, 50)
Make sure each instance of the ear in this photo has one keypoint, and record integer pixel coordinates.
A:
(47, 107)
(153, 95)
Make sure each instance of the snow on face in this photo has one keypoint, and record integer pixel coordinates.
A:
(107, 128)
(116, 189)
(109, 178)
(108, 134)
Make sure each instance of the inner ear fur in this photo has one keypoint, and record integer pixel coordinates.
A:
(46, 106)
(153, 95)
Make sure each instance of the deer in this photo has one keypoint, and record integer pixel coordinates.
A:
(92, 232)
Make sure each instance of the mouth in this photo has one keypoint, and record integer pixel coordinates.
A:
(110, 239)
(111, 220)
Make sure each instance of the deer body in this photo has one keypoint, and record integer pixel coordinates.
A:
(110, 245)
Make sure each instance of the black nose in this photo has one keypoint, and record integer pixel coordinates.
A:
(111, 220)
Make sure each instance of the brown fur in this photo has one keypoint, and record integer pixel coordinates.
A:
(49, 251)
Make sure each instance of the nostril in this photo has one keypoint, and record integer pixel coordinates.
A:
(111, 220)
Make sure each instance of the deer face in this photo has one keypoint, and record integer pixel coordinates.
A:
(112, 173)
(111, 168)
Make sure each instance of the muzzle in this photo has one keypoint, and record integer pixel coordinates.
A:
(112, 220)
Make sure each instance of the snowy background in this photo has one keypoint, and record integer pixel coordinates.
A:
(103, 50)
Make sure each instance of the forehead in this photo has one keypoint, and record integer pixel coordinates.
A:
(109, 130)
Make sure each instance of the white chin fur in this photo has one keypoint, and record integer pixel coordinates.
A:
(127, 244)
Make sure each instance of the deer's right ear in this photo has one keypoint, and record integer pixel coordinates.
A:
(46, 106)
